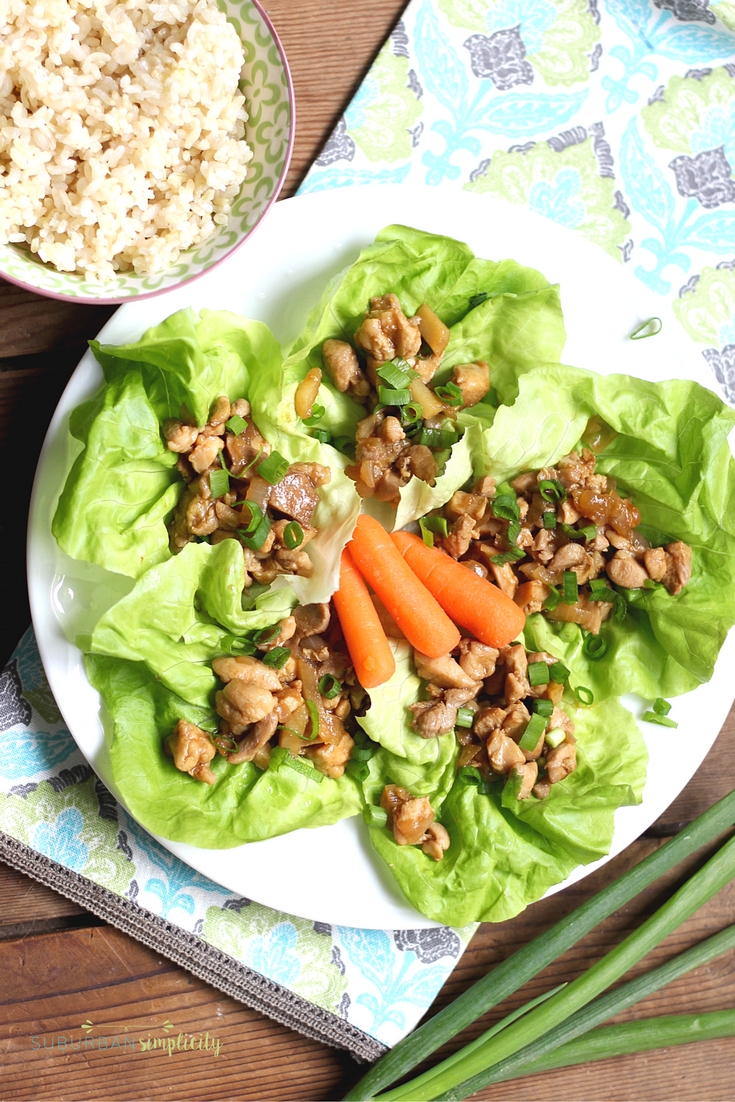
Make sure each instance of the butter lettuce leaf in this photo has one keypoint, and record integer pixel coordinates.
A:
(244, 805)
(506, 853)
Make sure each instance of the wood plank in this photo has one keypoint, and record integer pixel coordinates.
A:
(25, 904)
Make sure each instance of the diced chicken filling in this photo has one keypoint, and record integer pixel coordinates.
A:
(411, 819)
(225, 496)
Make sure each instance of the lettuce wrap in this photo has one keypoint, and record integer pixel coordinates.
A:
(517, 323)
(124, 485)
(672, 457)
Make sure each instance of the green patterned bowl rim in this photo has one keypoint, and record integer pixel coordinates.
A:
(269, 92)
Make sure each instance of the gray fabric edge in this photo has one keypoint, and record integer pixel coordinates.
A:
(195, 955)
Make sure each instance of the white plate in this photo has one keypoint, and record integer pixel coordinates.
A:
(276, 277)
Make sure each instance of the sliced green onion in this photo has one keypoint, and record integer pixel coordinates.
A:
(281, 756)
(477, 299)
(650, 584)
(653, 325)
(267, 635)
(256, 533)
(556, 737)
(505, 507)
(508, 556)
(391, 396)
(317, 412)
(554, 599)
(431, 525)
(219, 481)
(363, 753)
(314, 717)
(534, 730)
(393, 375)
(450, 394)
(551, 490)
(584, 695)
(570, 588)
(375, 816)
(600, 591)
(589, 532)
(273, 468)
(549, 519)
(256, 516)
(544, 707)
(471, 775)
(595, 647)
(343, 444)
(236, 424)
(438, 439)
(538, 673)
(465, 717)
(321, 435)
(411, 416)
(662, 721)
(358, 770)
(293, 535)
(559, 673)
(513, 972)
(232, 645)
(277, 658)
(329, 686)
(661, 707)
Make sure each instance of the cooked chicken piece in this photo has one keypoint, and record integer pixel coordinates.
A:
(206, 451)
(194, 515)
(473, 380)
(559, 720)
(247, 669)
(461, 504)
(678, 566)
(444, 672)
(408, 817)
(438, 717)
(423, 463)
(654, 560)
(530, 596)
(475, 566)
(331, 758)
(561, 761)
(575, 469)
(503, 753)
(485, 486)
(260, 733)
(311, 619)
(515, 721)
(566, 513)
(227, 517)
(437, 841)
(477, 659)
(528, 774)
(516, 678)
(344, 369)
(488, 720)
(386, 332)
(179, 438)
(286, 631)
(504, 578)
(570, 557)
(525, 483)
(192, 750)
(294, 562)
(241, 703)
(221, 411)
(295, 495)
(287, 701)
(625, 570)
(246, 447)
(461, 534)
(391, 430)
(545, 545)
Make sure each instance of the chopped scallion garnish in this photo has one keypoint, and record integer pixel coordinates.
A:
(219, 481)
(533, 732)
(438, 439)
(551, 490)
(266, 635)
(544, 707)
(329, 686)
(391, 396)
(236, 424)
(276, 658)
(549, 519)
(431, 525)
(256, 532)
(595, 647)
(508, 556)
(554, 599)
(584, 695)
(411, 415)
(314, 717)
(317, 412)
(465, 717)
(661, 720)
(570, 588)
(556, 737)
(649, 328)
(293, 535)
(393, 375)
(450, 394)
(661, 707)
(363, 753)
(505, 507)
(273, 468)
(538, 673)
(559, 673)
(358, 770)
(375, 816)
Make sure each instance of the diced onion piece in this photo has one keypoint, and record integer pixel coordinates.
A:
(306, 392)
(431, 406)
(433, 330)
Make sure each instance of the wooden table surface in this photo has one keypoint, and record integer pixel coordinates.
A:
(60, 965)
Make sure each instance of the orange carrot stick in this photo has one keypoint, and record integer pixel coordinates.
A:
(364, 635)
(471, 601)
(409, 602)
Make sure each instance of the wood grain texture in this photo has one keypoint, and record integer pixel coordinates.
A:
(59, 967)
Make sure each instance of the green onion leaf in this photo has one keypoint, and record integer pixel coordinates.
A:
(259, 536)
(465, 717)
(538, 673)
(273, 468)
(358, 770)
(556, 737)
(393, 375)
(551, 490)
(589, 531)
(411, 415)
(533, 732)
(317, 412)
(219, 482)
(321, 435)
(236, 424)
(554, 599)
(544, 708)
(595, 647)
(276, 658)
(390, 396)
(329, 686)
(266, 635)
(469, 774)
(662, 721)
(661, 707)
(293, 535)
(549, 519)
(438, 439)
(508, 556)
(570, 588)
(450, 394)
(314, 717)
(505, 507)
(559, 673)
(431, 525)
(375, 816)
(232, 645)
(281, 756)
(584, 695)
(650, 328)
(363, 753)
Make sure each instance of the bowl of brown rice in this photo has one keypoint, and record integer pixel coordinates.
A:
(141, 141)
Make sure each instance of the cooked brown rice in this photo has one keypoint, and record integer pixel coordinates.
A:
(121, 130)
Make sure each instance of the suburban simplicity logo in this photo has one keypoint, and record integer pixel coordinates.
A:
(167, 1044)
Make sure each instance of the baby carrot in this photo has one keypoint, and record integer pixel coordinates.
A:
(419, 616)
(471, 601)
(366, 641)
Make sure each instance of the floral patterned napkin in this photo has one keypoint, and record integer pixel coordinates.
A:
(615, 118)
